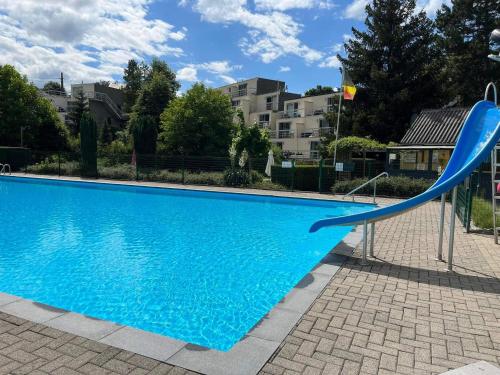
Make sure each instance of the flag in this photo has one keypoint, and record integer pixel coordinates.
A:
(348, 86)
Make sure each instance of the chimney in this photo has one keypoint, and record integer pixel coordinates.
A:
(62, 81)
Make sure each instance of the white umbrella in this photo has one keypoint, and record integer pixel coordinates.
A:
(270, 162)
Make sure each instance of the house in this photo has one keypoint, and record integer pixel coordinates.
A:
(296, 123)
(104, 102)
(426, 147)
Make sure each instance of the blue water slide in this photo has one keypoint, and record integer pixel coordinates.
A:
(479, 135)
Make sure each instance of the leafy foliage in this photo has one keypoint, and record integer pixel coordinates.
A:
(481, 213)
(80, 108)
(355, 144)
(200, 122)
(394, 186)
(132, 76)
(319, 90)
(236, 177)
(53, 86)
(394, 63)
(88, 141)
(145, 134)
(21, 107)
(464, 32)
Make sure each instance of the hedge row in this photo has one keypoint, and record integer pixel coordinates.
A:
(394, 186)
(303, 177)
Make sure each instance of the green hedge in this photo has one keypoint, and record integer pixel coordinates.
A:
(16, 157)
(302, 177)
(394, 186)
(482, 213)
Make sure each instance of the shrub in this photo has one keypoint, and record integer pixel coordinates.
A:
(394, 186)
(267, 185)
(236, 177)
(256, 177)
(50, 165)
(117, 172)
(175, 177)
(482, 213)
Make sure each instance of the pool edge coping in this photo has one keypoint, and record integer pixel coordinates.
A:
(248, 356)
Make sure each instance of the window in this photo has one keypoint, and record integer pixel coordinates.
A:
(330, 104)
(284, 130)
(279, 145)
(314, 149)
(236, 103)
(269, 102)
(292, 109)
(264, 120)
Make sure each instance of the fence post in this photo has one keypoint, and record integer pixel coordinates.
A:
(137, 167)
(25, 161)
(59, 162)
(183, 169)
(320, 178)
(293, 173)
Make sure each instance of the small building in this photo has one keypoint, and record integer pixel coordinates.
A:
(426, 147)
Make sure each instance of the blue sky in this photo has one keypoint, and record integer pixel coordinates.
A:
(213, 41)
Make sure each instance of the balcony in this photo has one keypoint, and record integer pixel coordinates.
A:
(303, 113)
(264, 124)
(281, 134)
(316, 133)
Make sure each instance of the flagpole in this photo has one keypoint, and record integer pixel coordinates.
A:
(338, 121)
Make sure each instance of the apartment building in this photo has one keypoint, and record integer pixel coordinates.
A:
(105, 103)
(295, 123)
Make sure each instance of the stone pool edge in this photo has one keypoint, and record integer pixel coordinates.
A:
(248, 356)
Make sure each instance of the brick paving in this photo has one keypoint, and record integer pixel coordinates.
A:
(401, 314)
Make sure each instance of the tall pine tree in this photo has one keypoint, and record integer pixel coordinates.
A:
(464, 31)
(393, 63)
(133, 77)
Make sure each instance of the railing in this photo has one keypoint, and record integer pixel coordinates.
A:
(374, 180)
(301, 112)
(56, 93)
(264, 124)
(281, 134)
(106, 99)
(316, 132)
(3, 169)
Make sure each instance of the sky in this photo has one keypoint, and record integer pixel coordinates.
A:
(212, 41)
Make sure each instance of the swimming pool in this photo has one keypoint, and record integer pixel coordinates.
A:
(202, 267)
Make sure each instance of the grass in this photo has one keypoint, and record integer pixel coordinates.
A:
(482, 213)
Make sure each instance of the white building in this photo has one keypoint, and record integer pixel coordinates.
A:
(295, 123)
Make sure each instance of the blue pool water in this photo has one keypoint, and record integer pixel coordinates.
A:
(196, 266)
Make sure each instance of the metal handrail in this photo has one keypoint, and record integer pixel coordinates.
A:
(4, 166)
(374, 180)
(491, 85)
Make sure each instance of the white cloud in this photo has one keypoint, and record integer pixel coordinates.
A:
(271, 34)
(356, 9)
(219, 68)
(330, 62)
(188, 74)
(87, 40)
(284, 69)
(432, 6)
(283, 5)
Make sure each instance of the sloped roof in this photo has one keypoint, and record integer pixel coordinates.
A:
(435, 127)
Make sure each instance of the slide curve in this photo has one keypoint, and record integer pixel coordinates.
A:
(479, 135)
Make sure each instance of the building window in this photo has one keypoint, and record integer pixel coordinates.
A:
(269, 102)
(329, 107)
(292, 109)
(314, 150)
(236, 103)
(284, 130)
(279, 145)
(264, 120)
(242, 89)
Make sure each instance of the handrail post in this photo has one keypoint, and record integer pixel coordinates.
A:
(452, 229)
(441, 227)
(364, 262)
(374, 190)
(372, 238)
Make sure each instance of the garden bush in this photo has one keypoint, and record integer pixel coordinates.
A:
(236, 177)
(50, 165)
(482, 213)
(117, 172)
(175, 177)
(394, 186)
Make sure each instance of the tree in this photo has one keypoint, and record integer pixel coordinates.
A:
(464, 31)
(53, 86)
(22, 109)
(157, 91)
(107, 135)
(88, 145)
(200, 122)
(145, 134)
(251, 138)
(133, 77)
(80, 107)
(319, 90)
(394, 63)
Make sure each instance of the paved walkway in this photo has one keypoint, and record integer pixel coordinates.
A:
(401, 314)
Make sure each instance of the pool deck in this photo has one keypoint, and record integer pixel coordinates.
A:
(403, 313)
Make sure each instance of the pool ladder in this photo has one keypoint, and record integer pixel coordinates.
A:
(4, 168)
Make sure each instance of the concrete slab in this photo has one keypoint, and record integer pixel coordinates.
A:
(478, 368)
(84, 326)
(245, 358)
(298, 300)
(33, 311)
(276, 325)
(145, 343)
(7, 298)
